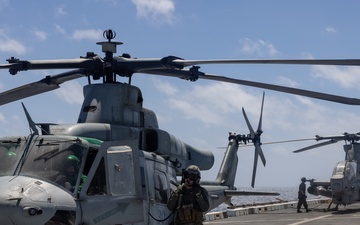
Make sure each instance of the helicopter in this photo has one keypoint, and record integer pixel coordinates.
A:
(130, 164)
(344, 184)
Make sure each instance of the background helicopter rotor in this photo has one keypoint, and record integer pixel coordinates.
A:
(252, 137)
(255, 138)
(331, 140)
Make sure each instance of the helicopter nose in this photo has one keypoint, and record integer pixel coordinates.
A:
(336, 188)
(25, 201)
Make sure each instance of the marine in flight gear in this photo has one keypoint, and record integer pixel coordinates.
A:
(189, 201)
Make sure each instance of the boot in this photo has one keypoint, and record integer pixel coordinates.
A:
(299, 211)
(308, 210)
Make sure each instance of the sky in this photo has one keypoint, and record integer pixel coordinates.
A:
(202, 113)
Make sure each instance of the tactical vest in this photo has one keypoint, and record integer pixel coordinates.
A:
(188, 216)
(186, 213)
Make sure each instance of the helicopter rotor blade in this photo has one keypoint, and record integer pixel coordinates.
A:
(332, 141)
(174, 66)
(345, 136)
(287, 141)
(138, 64)
(334, 62)
(255, 138)
(184, 74)
(134, 65)
(256, 156)
(49, 83)
(16, 65)
(258, 151)
(302, 92)
(252, 133)
(259, 131)
(261, 113)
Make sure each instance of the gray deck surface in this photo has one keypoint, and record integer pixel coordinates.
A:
(288, 216)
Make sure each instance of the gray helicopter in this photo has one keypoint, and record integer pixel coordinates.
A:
(344, 185)
(121, 166)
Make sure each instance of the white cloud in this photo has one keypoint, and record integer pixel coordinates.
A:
(165, 87)
(90, 34)
(204, 103)
(258, 47)
(71, 92)
(41, 35)
(2, 118)
(59, 29)
(60, 11)
(218, 103)
(330, 30)
(285, 81)
(155, 10)
(344, 76)
(11, 45)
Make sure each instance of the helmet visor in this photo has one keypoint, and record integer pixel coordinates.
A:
(191, 175)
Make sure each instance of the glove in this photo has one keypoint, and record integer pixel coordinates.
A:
(197, 191)
(198, 194)
(179, 189)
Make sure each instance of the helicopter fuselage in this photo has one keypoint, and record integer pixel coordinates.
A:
(344, 185)
(122, 185)
(125, 166)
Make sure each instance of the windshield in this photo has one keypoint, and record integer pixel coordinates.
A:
(350, 170)
(56, 160)
(339, 169)
(10, 153)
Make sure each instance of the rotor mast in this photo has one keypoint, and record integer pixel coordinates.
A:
(109, 48)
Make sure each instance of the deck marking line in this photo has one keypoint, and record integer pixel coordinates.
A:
(309, 220)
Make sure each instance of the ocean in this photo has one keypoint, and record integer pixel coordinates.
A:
(286, 194)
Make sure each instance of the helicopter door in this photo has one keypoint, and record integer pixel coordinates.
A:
(123, 167)
(159, 191)
(113, 191)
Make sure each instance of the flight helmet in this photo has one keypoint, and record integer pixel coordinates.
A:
(193, 173)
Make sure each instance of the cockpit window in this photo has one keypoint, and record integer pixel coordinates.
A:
(350, 170)
(59, 162)
(339, 169)
(10, 154)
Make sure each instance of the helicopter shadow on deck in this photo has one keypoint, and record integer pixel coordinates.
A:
(346, 211)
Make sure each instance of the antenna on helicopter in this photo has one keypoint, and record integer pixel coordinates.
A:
(32, 125)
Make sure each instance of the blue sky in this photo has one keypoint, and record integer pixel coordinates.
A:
(202, 113)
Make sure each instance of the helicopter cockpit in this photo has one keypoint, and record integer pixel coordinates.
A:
(10, 154)
(342, 180)
(56, 160)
